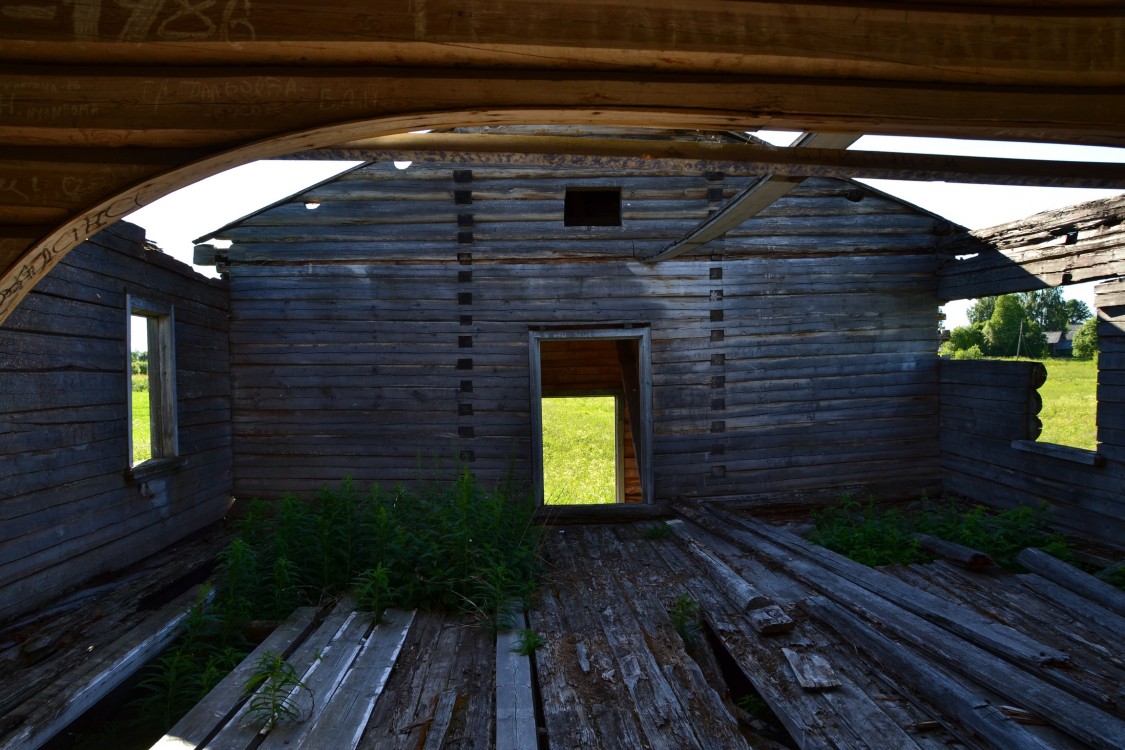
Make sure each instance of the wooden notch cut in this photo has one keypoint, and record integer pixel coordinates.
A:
(771, 620)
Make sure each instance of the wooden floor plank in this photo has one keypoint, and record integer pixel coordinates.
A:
(204, 720)
(343, 721)
(441, 692)
(243, 728)
(515, 700)
(76, 693)
(322, 679)
(680, 691)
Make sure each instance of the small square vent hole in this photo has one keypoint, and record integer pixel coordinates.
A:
(592, 207)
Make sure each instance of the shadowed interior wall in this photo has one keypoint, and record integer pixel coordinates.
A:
(69, 509)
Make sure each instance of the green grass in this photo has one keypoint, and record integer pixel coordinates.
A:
(142, 422)
(578, 451)
(1070, 403)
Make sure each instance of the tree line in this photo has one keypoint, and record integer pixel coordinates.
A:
(1012, 325)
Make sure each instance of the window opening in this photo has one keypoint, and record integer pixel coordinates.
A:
(592, 207)
(152, 383)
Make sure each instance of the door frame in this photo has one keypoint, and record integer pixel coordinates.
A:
(643, 431)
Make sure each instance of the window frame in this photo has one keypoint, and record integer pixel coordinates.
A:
(163, 413)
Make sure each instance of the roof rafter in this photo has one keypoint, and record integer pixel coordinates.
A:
(752, 200)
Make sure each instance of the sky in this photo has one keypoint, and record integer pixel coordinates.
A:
(175, 220)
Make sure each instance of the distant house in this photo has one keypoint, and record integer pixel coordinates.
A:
(1061, 343)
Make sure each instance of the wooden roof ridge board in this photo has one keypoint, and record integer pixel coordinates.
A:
(604, 131)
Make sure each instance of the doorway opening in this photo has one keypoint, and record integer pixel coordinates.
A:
(591, 413)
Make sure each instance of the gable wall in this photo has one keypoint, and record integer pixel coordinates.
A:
(68, 510)
(385, 335)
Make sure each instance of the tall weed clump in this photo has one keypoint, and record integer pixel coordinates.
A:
(449, 546)
(875, 535)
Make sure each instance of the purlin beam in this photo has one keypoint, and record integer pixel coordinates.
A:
(734, 158)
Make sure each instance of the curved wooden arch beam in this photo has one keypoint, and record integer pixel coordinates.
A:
(46, 251)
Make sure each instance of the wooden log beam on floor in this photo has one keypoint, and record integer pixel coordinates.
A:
(845, 717)
(969, 705)
(1084, 713)
(1097, 591)
(959, 554)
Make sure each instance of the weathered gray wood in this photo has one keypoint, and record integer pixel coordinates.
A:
(201, 722)
(441, 688)
(1093, 615)
(1071, 245)
(515, 702)
(956, 553)
(620, 154)
(1088, 721)
(771, 620)
(752, 200)
(243, 728)
(744, 596)
(1094, 589)
(967, 703)
(334, 660)
(812, 670)
(343, 720)
(79, 691)
(960, 620)
(809, 718)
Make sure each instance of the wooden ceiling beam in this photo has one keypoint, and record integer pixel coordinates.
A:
(747, 159)
(997, 42)
(751, 201)
(231, 106)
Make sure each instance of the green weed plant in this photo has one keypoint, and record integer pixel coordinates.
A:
(686, 617)
(273, 689)
(454, 546)
(876, 535)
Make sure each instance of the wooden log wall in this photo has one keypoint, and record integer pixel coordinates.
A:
(988, 423)
(68, 509)
(386, 332)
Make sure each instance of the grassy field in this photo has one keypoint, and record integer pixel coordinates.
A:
(1070, 403)
(578, 451)
(142, 425)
